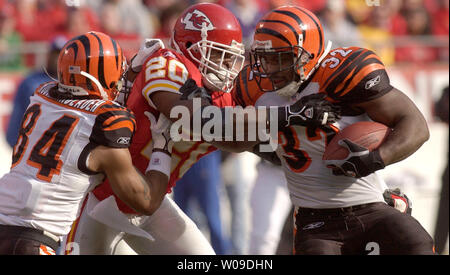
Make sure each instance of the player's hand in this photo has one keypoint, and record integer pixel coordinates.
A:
(190, 90)
(311, 110)
(360, 162)
(160, 133)
(398, 200)
(148, 47)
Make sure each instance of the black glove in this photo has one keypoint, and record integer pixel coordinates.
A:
(398, 200)
(311, 110)
(359, 162)
(190, 90)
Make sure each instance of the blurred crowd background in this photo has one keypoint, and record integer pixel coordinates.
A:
(410, 36)
(398, 30)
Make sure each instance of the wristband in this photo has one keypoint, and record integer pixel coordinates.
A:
(160, 161)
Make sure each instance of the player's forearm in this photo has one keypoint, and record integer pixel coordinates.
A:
(134, 191)
(143, 194)
(234, 129)
(158, 183)
(243, 128)
(125, 180)
(234, 146)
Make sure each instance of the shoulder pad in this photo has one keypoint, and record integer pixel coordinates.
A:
(114, 126)
(352, 75)
(166, 70)
(246, 90)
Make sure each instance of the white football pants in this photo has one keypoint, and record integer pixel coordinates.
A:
(103, 229)
(270, 204)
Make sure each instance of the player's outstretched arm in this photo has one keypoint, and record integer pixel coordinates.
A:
(127, 182)
(165, 102)
(311, 110)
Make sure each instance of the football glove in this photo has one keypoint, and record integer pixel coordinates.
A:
(148, 47)
(398, 200)
(310, 110)
(360, 162)
(160, 129)
(190, 90)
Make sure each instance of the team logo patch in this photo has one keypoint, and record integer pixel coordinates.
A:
(123, 140)
(373, 82)
(74, 69)
(195, 20)
(156, 161)
(313, 225)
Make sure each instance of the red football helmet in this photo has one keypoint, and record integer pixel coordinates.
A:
(91, 65)
(211, 37)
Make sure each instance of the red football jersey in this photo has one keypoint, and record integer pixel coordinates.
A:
(165, 70)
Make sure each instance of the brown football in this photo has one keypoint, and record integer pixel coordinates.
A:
(368, 134)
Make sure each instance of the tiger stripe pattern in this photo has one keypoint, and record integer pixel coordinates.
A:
(96, 54)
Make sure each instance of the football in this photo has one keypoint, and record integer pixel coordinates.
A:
(364, 133)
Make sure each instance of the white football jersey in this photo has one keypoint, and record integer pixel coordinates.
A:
(347, 76)
(311, 184)
(49, 176)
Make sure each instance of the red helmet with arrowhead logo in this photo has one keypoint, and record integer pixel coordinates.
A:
(211, 37)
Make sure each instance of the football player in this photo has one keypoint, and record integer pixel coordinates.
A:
(71, 136)
(206, 47)
(339, 210)
(107, 225)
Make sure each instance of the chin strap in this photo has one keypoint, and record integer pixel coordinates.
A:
(99, 86)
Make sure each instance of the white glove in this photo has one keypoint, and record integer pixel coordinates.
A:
(148, 47)
(160, 133)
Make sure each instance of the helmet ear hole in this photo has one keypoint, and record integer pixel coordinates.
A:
(188, 45)
(112, 85)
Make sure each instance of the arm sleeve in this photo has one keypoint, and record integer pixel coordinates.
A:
(360, 76)
(164, 71)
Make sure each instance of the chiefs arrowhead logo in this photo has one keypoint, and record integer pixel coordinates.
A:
(195, 20)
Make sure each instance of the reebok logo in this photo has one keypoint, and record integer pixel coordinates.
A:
(373, 82)
(313, 225)
(123, 140)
